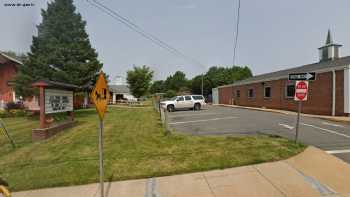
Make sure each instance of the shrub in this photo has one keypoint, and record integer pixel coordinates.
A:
(4, 183)
(17, 113)
(12, 105)
(12, 113)
(170, 93)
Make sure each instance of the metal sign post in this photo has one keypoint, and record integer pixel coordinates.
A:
(298, 122)
(301, 93)
(101, 157)
(100, 96)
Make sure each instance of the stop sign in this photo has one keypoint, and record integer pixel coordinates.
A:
(301, 89)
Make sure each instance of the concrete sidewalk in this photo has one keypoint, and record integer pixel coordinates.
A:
(311, 173)
(343, 119)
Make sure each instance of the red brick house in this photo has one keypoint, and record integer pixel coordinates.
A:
(8, 70)
(329, 94)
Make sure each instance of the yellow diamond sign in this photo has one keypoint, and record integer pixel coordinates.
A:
(100, 95)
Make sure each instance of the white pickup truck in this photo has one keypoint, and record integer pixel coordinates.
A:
(195, 102)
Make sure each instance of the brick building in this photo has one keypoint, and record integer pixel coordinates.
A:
(329, 94)
(8, 70)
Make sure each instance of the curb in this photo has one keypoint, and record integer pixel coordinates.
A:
(331, 118)
(256, 109)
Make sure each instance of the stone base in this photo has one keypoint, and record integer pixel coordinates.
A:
(43, 134)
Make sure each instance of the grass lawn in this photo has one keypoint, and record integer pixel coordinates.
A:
(135, 146)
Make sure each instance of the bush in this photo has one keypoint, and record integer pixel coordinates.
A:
(17, 113)
(12, 105)
(3, 183)
(12, 113)
(170, 93)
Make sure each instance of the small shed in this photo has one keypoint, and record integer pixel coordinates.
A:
(121, 93)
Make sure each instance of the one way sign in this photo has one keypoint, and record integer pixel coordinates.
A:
(310, 76)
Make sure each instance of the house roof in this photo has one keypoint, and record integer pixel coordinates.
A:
(55, 84)
(315, 67)
(6, 57)
(119, 89)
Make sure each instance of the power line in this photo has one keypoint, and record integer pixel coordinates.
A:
(237, 32)
(143, 33)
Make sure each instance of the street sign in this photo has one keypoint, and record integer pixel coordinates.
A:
(100, 95)
(310, 76)
(301, 90)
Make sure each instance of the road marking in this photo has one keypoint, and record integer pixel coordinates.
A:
(327, 130)
(194, 114)
(286, 126)
(337, 151)
(332, 124)
(231, 117)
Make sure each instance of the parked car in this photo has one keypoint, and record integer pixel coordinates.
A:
(195, 102)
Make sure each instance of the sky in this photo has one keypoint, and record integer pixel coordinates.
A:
(273, 34)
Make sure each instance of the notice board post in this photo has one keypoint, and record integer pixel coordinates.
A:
(54, 97)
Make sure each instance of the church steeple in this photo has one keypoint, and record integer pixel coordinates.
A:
(329, 39)
(329, 51)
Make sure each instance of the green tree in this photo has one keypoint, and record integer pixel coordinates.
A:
(176, 82)
(217, 76)
(157, 87)
(61, 51)
(139, 80)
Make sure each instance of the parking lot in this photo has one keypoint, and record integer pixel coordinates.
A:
(333, 137)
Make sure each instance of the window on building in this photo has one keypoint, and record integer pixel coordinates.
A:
(238, 93)
(290, 90)
(267, 92)
(250, 93)
(188, 98)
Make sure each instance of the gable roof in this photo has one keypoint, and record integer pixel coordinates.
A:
(282, 74)
(119, 89)
(10, 58)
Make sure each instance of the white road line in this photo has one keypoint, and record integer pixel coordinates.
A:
(327, 130)
(332, 124)
(231, 117)
(194, 114)
(286, 126)
(337, 151)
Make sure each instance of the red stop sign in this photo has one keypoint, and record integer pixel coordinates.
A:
(301, 89)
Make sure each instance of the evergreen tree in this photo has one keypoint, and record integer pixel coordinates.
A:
(61, 51)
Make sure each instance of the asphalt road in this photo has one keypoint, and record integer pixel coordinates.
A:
(333, 137)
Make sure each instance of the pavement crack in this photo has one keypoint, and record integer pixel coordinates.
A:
(211, 190)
